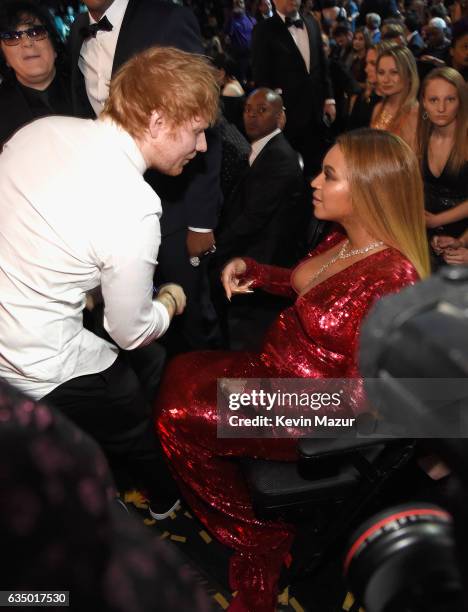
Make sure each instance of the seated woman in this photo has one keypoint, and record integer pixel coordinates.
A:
(367, 180)
(443, 151)
(33, 86)
(362, 105)
(361, 43)
(453, 251)
(398, 83)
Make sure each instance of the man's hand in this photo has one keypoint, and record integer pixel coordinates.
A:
(330, 110)
(173, 298)
(199, 243)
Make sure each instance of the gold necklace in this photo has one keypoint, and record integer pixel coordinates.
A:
(343, 253)
(385, 119)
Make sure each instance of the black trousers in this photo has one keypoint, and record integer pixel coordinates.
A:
(112, 407)
(195, 329)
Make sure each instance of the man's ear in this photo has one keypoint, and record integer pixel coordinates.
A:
(155, 124)
(281, 119)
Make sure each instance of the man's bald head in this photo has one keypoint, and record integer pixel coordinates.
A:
(263, 113)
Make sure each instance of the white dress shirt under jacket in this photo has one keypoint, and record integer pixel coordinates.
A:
(76, 213)
(259, 144)
(301, 38)
(97, 56)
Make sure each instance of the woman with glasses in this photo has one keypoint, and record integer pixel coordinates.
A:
(33, 86)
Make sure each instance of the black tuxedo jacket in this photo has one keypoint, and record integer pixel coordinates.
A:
(267, 214)
(278, 63)
(194, 198)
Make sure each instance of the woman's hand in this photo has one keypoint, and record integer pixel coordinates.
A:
(456, 256)
(230, 275)
(431, 219)
(440, 243)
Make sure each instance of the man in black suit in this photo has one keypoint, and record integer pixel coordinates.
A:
(100, 42)
(287, 55)
(266, 217)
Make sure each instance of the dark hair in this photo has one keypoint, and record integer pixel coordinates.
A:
(365, 32)
(459, 29)
(412, 21)
(342, 28)
(222, 61)
(438, 11)
(14, 12)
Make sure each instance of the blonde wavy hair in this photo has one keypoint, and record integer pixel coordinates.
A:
(387, 191)
(407, 69)
(459, 154)
(179, 85)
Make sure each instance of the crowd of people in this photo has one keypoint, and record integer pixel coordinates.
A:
(216, 190)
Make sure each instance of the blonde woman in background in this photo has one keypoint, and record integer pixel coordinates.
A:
(443, 152)
(398, 84)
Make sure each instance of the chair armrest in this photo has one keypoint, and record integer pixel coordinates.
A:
(318, 449)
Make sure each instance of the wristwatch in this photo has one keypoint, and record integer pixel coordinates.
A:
(195, 261)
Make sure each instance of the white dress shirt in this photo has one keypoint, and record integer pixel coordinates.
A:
(76, 213)
(258, 145)
(97, 56)
(301, 38)
(97, 59)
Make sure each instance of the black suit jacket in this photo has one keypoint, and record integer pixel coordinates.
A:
(278, 63)
(267, 215)
(194, 198)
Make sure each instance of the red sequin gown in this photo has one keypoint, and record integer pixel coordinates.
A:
(316, 337)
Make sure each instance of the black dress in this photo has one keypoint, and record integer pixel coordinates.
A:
(444, 192)
(363, 108)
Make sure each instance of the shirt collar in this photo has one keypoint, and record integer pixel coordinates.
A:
(115, 13)
(283, 17)
(124, 141)
(259, 144)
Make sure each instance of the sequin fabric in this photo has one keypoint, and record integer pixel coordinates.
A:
(316, 337)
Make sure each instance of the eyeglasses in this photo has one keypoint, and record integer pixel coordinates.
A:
(36, 33)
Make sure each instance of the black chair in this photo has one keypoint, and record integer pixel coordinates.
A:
(325, 493)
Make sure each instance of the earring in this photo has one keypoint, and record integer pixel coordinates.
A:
(425, 116)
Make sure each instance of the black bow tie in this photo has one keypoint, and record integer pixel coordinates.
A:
(103, 24)
(294, 22)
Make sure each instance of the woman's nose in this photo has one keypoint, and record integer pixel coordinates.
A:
(25, 40)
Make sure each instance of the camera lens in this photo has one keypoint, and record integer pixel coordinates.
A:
(403, 560)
